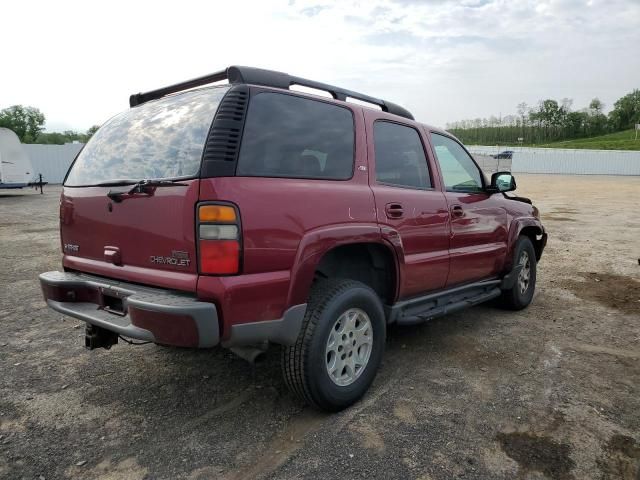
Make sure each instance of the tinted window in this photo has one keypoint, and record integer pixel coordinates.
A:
(288, 136)
(400, 158)
(459, 171)
(159, 139)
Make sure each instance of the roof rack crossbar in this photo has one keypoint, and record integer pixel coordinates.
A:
(267, 78)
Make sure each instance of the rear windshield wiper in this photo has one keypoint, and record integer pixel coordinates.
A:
(113, 183)
(141, 186)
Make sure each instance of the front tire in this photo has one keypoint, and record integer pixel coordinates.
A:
(340, 345)
(520, 295)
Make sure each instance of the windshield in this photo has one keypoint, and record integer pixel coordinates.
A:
(161, 139)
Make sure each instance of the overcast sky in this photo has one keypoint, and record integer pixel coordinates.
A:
(78, 62)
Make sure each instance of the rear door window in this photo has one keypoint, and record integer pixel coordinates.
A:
(400, 158)
(295, 137)
(161, 139)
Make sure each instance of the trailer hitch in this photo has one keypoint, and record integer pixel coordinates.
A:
(96, 337)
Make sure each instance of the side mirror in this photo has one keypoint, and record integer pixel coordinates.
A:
(502, 182)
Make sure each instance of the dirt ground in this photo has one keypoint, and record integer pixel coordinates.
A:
(549, 392)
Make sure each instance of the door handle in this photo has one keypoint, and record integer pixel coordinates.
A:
(457, 211)
(394, 210)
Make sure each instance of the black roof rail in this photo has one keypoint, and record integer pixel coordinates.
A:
(140, 98)
(267, 78)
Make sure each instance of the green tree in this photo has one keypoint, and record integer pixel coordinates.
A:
(26, 122)
(91, 131)
(523, 108)
(551, 121)
(550, 118)
(596, 122)
(626, 111)
(68, 136)
(596, 106)
(576, 124)
(59, 138)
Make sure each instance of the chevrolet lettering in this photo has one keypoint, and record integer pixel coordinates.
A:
(174, 260)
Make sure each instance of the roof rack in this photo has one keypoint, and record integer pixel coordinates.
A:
(267, 78)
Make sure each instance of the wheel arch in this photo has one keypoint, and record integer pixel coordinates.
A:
(531, 228)
(365, 257)
(370, 263)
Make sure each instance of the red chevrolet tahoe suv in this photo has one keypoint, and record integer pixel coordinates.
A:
(248, 213)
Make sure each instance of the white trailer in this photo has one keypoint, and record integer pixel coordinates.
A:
(15, 167)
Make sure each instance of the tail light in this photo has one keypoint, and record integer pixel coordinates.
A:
(218, 239)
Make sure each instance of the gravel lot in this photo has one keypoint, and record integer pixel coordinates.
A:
(550, 392)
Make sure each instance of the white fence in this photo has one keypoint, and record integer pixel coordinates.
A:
(52, 161)
(567, 161)
(490, 165)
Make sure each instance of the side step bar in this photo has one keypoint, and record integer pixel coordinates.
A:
(422, 309)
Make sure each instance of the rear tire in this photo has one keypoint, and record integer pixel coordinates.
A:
(520, 295)
(340, 345)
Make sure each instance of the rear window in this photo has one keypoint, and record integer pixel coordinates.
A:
(295, 137)
(162, 139)
(400, 158)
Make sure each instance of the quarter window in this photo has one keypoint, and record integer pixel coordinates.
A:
(459, 171)
(295, 137)
(400, 158)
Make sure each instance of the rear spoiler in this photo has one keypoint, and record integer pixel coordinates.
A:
(267, 78)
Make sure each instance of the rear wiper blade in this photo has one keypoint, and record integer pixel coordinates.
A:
(115, 183)
(142, 186)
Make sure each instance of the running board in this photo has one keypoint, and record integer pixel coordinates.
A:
(422, 309)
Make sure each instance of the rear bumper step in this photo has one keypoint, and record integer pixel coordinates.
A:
(143, 313)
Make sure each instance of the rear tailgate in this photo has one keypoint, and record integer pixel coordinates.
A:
(144, 239)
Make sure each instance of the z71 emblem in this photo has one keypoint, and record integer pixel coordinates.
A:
(70, 247)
